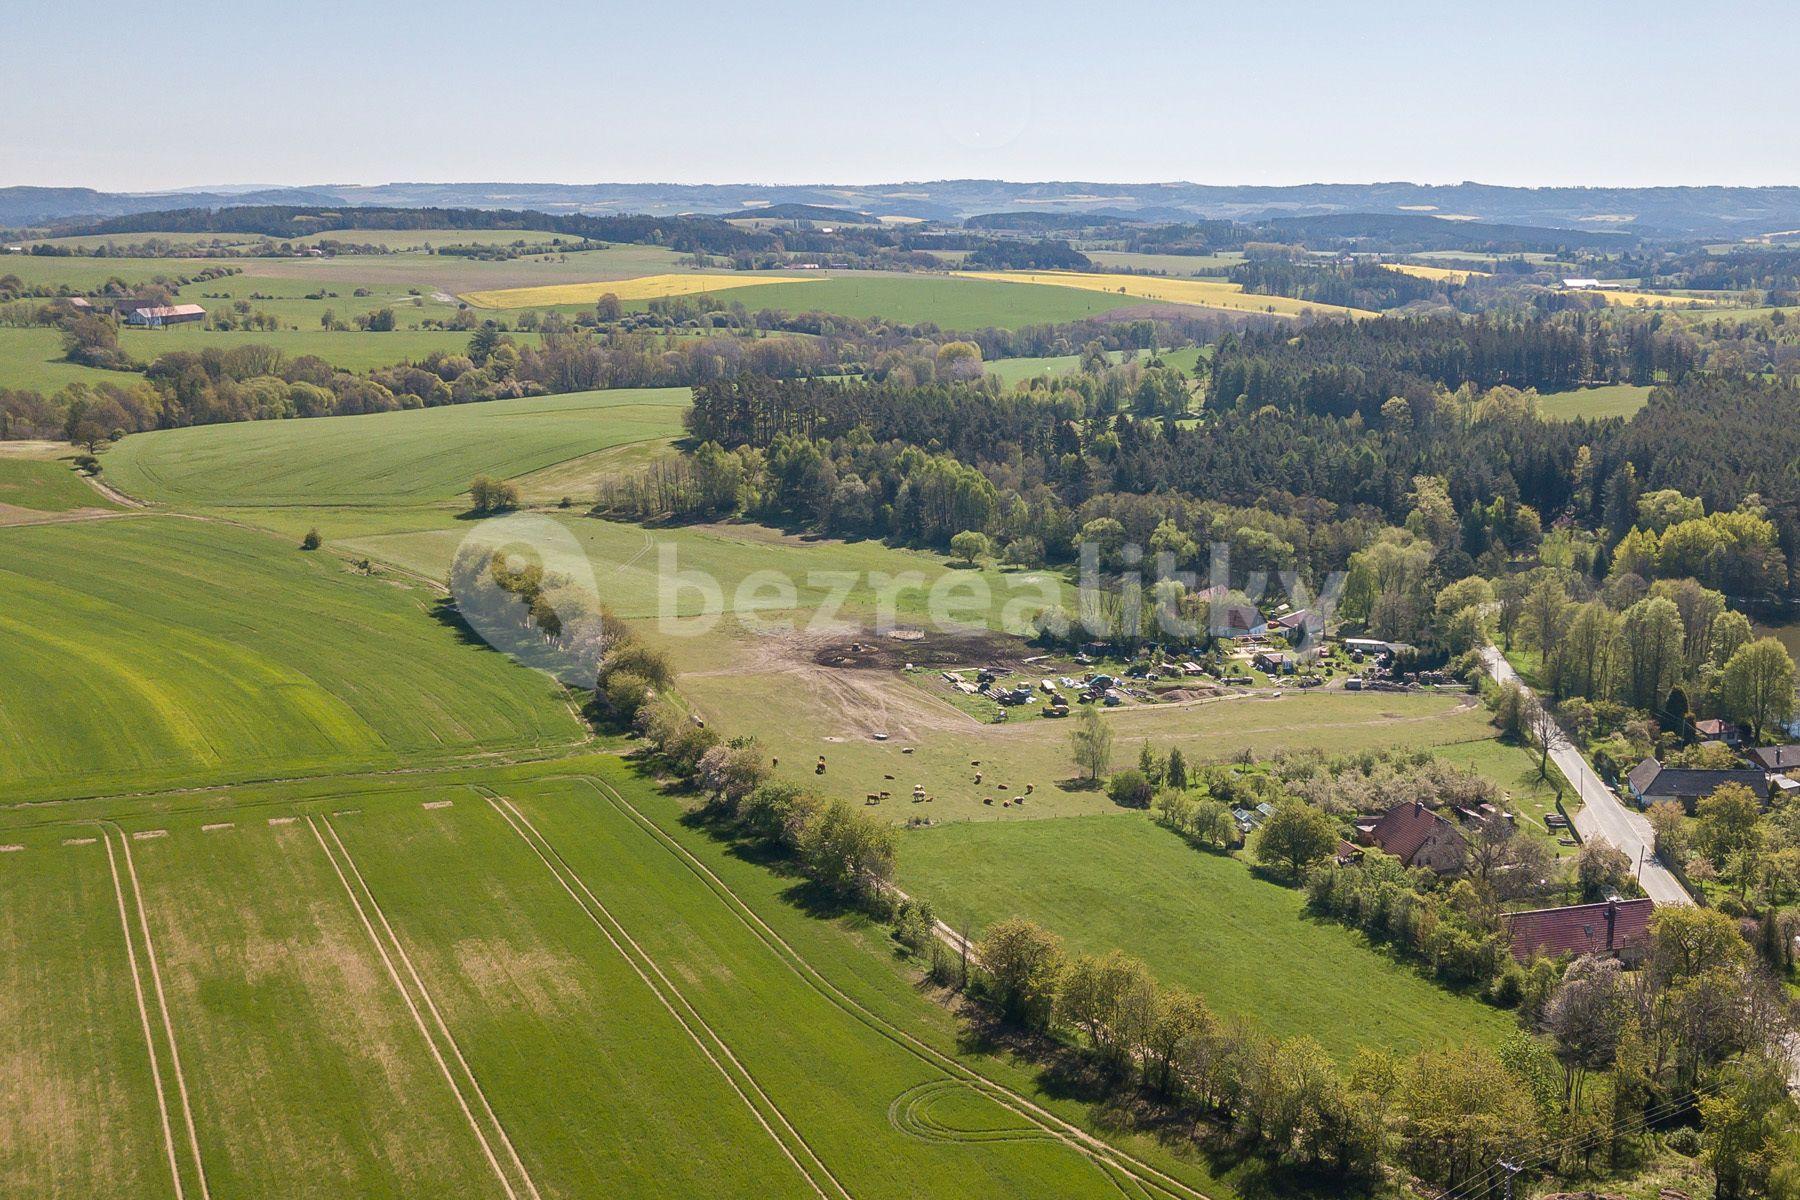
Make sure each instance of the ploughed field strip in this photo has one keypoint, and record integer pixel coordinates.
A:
(508, 983)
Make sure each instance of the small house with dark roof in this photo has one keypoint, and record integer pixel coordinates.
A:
(1777, 760)
(1651, 783)
(1237, 621)
(1417, 837)
(1616, 927)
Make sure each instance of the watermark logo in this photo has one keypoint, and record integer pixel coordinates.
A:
(525, 585)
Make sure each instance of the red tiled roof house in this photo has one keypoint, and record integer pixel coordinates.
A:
(1618, 927)
(1418, 837)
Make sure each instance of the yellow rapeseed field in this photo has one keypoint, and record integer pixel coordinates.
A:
(1627, 299)
(644, 287)
(1207, 293)
(1451, 274)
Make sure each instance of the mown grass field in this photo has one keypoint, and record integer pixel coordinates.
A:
(1017, 370)
(1197, 919)
(398, 458)
(523, 982)
(1595, 403)
(148, 650)
(1204, 293)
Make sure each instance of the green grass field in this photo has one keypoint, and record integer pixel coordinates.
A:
(82, 273)
(31, 359)
(1197, 919)
(158, 649)
(1595, 403)
(523, 982)
(45, 486)
(399, 458)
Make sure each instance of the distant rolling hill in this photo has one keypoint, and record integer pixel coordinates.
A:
(799, 212)
(39, 205)
(1649, 213)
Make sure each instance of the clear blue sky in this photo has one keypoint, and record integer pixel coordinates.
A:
(195, 92)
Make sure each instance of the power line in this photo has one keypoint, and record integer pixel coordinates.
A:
(1575, 1142)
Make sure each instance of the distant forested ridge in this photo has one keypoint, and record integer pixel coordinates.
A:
(1359, 284)
(1340, 368)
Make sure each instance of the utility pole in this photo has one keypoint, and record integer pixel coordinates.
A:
(1511, 1169)
(962, 940)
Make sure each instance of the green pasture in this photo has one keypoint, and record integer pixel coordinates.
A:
(84, 273)
(1196, 919)
(800, 712)
(1594, 403)
(31, 360)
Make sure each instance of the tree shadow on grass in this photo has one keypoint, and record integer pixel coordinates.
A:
(1117, 1106)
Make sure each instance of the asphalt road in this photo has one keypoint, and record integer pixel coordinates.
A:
(1602, 814)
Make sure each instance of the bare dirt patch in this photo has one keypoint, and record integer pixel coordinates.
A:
(886, 653)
